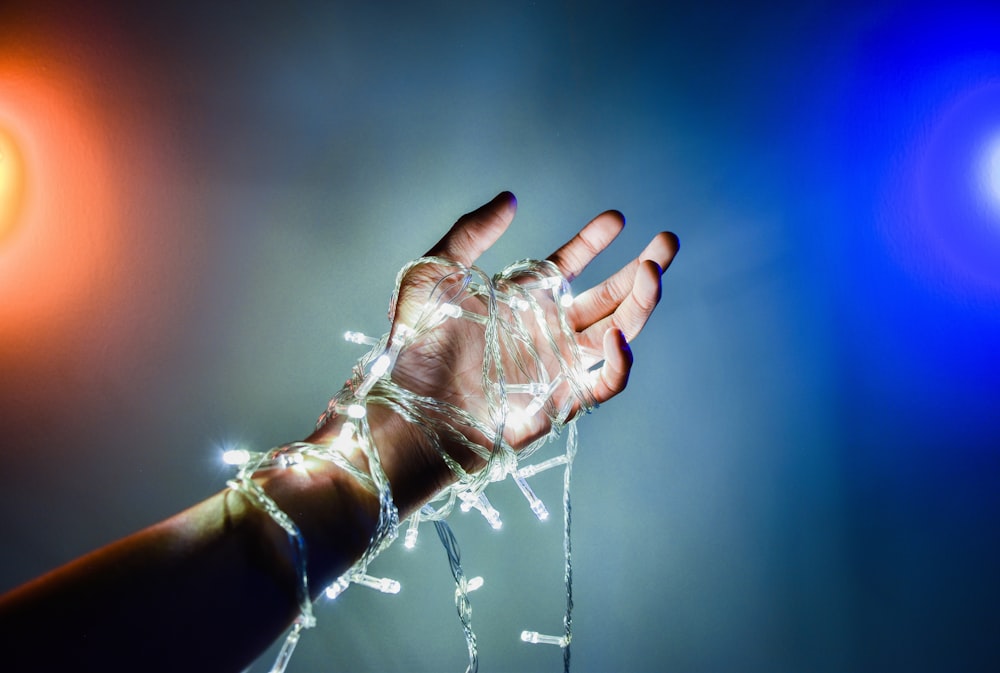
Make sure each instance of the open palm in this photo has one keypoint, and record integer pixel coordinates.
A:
(447, 362)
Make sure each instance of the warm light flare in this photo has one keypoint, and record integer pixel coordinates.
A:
(58, 208)
(11, 184)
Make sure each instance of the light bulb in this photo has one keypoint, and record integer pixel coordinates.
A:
(290, 459)
(519, 304)
(388, 586)
(410, 539)
(236, 457)
(549, 283)
(534, 406)
(536, 637)
(537, 506)
(532, 470)
(481, 503)
(383, 584)
(533, 388)
(540, 510)
(454, 311)
(337, 587)
(381, 365)
(344, 443)
(359, 338)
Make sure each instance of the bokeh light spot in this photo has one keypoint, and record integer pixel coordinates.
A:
(11, 184)
(993, 173)
(943, 217)
(59, 206)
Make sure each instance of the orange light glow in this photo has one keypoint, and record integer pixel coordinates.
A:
(58, 216)
(11, 184)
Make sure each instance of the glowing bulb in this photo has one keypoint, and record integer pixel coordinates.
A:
(536, 504)
(290, 459)
(388, 586)
(566, 300)
(536, 637)
(532, 470)
(359, 338)
(482, 503)
(517, 420)
(550, 283)
(534, 406)
(410, 539)
(384, 362)
(474, 583)
(383, 584)
(533, 388)
(454, 311)
(345, 440)
(381, 365)
(538, 507)
(519, 304)
(236, 457)
(356, 411)
(337, 587)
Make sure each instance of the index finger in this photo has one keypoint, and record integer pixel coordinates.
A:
(580, 250)
(475, 232)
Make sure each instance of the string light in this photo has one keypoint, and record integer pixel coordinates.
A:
(345, 441)
(529, 471)
(360, 339)
(529, 350)
(410, 539)
(536, 504)
(536, 637)
(236, 457)
(482, 504)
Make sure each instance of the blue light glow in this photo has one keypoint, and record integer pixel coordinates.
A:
(991, 175)
(942, 217)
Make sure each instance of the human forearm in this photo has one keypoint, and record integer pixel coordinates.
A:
(211, 587)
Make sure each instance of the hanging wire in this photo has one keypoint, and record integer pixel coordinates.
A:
(462, 603)
(533, 374)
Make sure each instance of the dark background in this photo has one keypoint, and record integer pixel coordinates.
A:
(803, 474)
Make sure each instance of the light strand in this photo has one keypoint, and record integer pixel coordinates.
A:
(529, 351)
(570, 455)
(462, 603)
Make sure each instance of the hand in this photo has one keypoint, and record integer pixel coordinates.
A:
(447, 364)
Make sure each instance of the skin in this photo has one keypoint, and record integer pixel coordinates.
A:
(213, 586)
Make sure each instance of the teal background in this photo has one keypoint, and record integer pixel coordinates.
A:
(803, 473)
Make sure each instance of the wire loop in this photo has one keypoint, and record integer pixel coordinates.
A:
(533, 384)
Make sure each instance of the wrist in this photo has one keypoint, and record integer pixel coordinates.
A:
(334, 513)
(414, 470)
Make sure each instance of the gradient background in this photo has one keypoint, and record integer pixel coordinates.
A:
(805, 471)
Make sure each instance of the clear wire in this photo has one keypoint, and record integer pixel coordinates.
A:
(532, 374)
(462, 603)
(571, 439)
